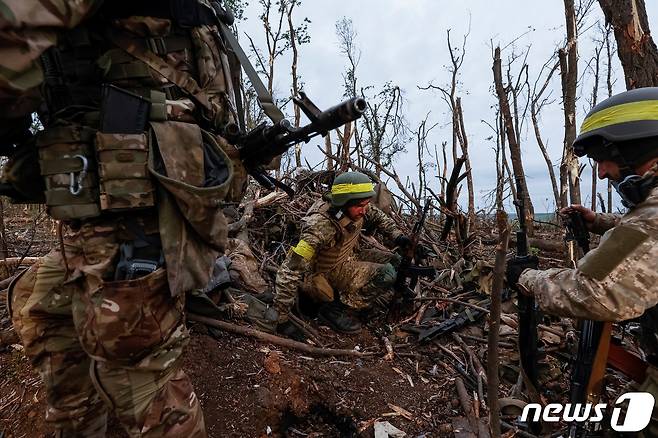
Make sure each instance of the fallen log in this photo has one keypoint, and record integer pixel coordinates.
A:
(542, 244)
(277, 340)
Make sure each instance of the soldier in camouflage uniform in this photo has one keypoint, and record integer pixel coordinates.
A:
(618, 280)
(324, 266)
(131, 96)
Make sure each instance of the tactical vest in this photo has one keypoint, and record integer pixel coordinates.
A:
(347, 235)
(132, 65)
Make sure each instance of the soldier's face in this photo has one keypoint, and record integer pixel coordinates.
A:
(609, 169)
(357, 211)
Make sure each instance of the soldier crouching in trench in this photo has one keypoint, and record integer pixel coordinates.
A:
(324, 267)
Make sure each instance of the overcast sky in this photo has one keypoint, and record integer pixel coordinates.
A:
(404, 41)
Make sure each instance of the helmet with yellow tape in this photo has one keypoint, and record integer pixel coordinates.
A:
(350, 186)
(622, 128)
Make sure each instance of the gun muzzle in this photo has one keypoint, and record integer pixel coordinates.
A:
(344, 112)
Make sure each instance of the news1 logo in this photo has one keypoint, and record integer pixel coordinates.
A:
(638, 412)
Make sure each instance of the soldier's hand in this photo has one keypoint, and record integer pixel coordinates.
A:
(402, 242)
(516, 266)
(588, 215)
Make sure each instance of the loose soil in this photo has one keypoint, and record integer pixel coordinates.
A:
(252, 389)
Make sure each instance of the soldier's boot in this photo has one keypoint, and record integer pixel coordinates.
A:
(338, 318)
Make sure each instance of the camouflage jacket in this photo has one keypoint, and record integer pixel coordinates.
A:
(616, 281)
(319, 233)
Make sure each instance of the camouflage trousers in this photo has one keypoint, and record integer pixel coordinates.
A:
(362, 281)
(103, 345)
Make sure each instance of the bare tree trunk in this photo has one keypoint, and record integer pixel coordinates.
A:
(344, 145)
(636, 49)
(512, 140)
(442, 174)
(295, 85)
(507, 173)
(463, 141)
(569, 170)
(329, 151)
(595, 98)
(544, 152)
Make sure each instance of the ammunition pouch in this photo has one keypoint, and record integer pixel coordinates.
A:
(88, 172)
(318, 288)
(123, 174)
(68, 166)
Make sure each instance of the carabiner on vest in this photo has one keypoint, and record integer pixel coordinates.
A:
(75, 184)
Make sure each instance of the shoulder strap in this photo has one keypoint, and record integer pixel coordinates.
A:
(264, 97)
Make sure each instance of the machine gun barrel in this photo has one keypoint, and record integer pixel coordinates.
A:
(265, 142)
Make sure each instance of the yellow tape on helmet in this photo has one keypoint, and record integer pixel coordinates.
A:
(342, 189)
(625, 112)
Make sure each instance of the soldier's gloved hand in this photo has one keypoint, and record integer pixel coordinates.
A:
(423, 252)
(403, 242)
(290, 330)
(516, 266)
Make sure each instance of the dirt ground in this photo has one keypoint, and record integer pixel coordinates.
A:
(252, 389)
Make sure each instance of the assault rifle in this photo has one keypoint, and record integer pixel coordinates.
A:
(408, 273)
(266, 141)
(465, 317)
(528, 314)
(594, 340)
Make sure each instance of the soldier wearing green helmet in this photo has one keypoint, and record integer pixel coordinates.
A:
(323, 265)
(618, 280)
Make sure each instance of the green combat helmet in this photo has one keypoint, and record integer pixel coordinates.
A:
(349, 186)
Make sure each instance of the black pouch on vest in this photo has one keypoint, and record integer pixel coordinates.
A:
(123, 112)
